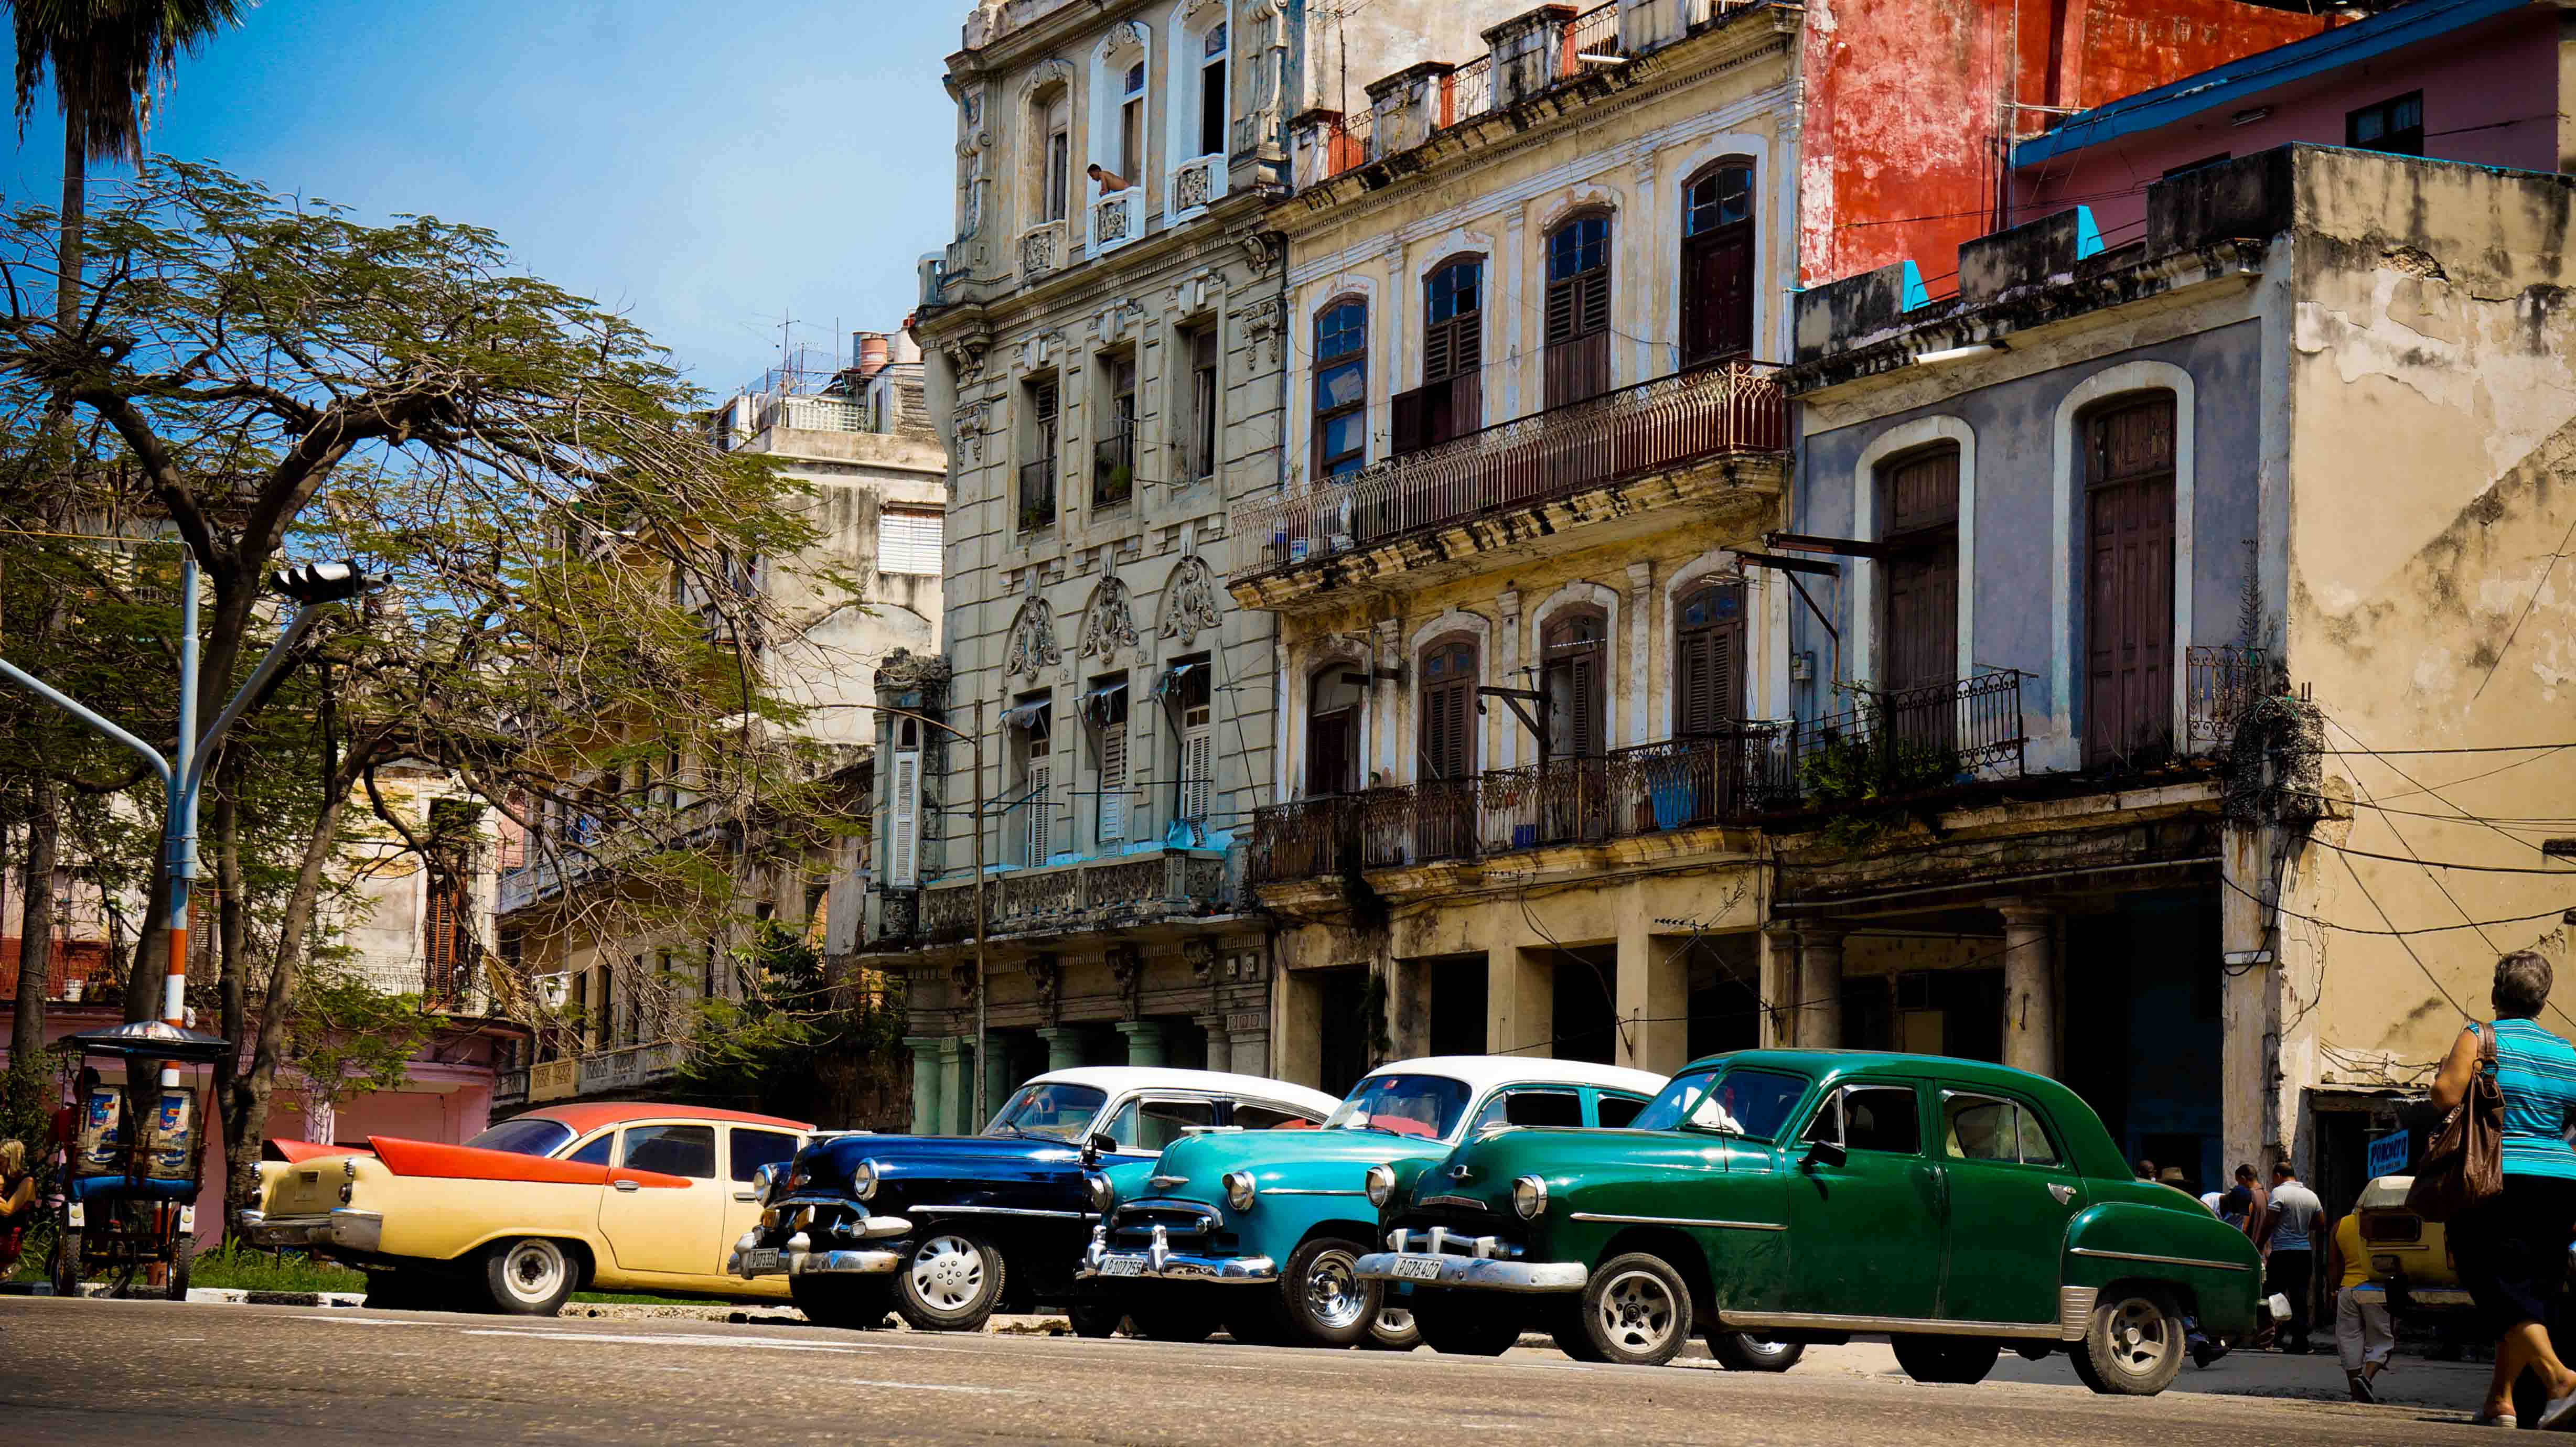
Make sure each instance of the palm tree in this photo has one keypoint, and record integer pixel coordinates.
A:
(107, 58)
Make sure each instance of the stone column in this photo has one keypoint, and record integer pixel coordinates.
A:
(1064, 1045)
(1779, 984)
(998, 1074)
(1248, 1053)
(1653, 1001)
(956, 1090)
(1520, 1002)
(2030, 987)
(925, 1083)
(1144, 1041)
(1220, 1046)
(2249, 1010)
(1820, 987)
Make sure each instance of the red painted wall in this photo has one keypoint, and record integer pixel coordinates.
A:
(1906, 106)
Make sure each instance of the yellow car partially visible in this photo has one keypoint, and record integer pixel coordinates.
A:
(618, 1196)
(2409, 1254)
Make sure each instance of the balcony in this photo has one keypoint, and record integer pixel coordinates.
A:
(2221, 686)
(554, 1080)
(1122, 892)
(1037, 493)
(632, 1068)
(1116, 218)
(1729, 778)
(1892, 749)
(585, 850)
(1041, 249)
(1611, 459)
(509, 1088)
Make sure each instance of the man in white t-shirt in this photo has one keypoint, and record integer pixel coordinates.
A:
(2290, 1231)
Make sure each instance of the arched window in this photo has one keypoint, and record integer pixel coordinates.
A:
(2128, 571)
(1131, 123)
(1578, 309)
(1333, 700)
(1341, 387)
(1717, 264)
(1451, 400)
(1708, 659)
(1574, 673)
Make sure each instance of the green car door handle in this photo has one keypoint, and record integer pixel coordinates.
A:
(2063, 1192)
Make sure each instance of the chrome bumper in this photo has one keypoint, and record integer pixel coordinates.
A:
(1159, 1262)
(1455, 1270)
(344, 1228)
(749, 1260)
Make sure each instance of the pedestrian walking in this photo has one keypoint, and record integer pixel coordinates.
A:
(2512, 1248)
(2245, 1203)
(2363, 1336)
(2290, 1231)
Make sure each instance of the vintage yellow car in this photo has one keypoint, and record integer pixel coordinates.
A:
(619, 1196)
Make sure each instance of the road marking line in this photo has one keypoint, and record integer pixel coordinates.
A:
(685, 1340)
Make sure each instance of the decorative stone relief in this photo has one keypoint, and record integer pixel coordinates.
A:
(965, 353)
(1201, 958)
(1048, 976)
(1033, 644)
(1189, 601)
(1127, 967)
(1263, 322)
(1109, 624)
(1262, 249)
(904, 670)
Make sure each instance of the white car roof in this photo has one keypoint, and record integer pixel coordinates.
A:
(1484, 1072)
(1116, 1079)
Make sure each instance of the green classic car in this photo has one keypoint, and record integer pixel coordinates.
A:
(1955, 1207)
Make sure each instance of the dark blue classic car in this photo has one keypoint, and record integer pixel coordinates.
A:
(947, 1230)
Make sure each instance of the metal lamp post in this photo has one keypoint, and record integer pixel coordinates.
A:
(182, 775)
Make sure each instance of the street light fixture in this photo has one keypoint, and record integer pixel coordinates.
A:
(314, 583)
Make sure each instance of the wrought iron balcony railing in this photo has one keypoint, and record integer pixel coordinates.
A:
(1730, 408)
(2220, 685)
(1902, 743)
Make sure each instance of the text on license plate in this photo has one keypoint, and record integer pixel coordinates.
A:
(763, 1259)
(1418, 1268)
(1123, 1266)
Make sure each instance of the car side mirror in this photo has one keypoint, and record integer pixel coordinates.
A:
(1096, 1145)
(1825, 1153)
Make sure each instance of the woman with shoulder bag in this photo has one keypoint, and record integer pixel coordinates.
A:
(2512, 1246)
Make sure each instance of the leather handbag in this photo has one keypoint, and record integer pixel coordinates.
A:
(2464, 1166)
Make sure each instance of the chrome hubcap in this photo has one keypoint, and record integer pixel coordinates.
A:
(947, 1273)
(1393, 1323)
(2140, 1336)
(1334, 1296)
(533, 1270)
(1637, 1313)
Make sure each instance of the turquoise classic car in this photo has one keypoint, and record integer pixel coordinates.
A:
(1258, 1231)
(1955, 1207)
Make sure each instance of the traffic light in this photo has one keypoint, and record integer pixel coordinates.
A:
(314, 583)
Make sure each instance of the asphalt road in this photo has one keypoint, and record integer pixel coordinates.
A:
(91, 1371)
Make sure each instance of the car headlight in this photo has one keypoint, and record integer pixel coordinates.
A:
(863, 1180)
(1529, 1197)
(1380, 1184)
(1100, 1192)
(763, 1179)
(1239, 1190)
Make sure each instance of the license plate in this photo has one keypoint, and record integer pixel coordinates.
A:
(760, 1261)
(1122, 1266)
(1418, 1268)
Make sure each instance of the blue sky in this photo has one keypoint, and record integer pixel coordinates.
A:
(704, 168)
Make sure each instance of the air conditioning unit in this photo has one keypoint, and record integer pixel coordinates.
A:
(554, 989)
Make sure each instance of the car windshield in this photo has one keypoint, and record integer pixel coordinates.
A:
(1752, 1103)
(1414, 1105)
(1056, 1110)
(527, 1136)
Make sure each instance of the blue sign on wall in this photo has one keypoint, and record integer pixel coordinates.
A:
(2388, 1153)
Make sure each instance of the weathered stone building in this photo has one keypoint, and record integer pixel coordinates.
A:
(859, 438)
(1109, 344)
(1518, 656)
(2246, 530)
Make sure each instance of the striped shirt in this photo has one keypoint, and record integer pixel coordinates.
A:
(2536, 1073)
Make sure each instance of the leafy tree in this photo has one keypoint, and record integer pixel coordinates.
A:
(570, 563)
(779, 1047)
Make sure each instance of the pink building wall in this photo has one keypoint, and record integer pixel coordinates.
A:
(2490, 98)
(450, 1100)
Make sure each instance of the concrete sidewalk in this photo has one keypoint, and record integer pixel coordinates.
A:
(2408, 1381)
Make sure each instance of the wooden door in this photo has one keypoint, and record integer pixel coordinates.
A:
(1920, 495)
(1444, 791)
(2129, 566)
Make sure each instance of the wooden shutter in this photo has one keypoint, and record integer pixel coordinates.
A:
(1448, 711)
(1717, 295)
(1034, 841)
(2129, 581)
(1198, 772)
(1578, 337)
(1113, 783)
(903, 845)
(1409, 423)
(1708, 679)
(1583, 739)
(1921, 612)
(1328, 751)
